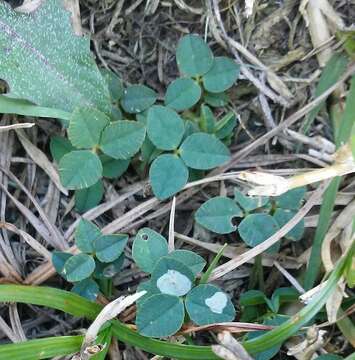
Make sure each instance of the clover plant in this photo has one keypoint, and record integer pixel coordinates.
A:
(101, 257)
(260, 217)
(173, 292)
(175, 138)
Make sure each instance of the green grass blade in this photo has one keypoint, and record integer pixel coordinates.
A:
(290, 327)
(342, 136)
(211, 267)
(333, 70)
(41, 348)
(24, 107)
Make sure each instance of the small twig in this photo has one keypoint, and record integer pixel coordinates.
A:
(171, 238)
(16, 126)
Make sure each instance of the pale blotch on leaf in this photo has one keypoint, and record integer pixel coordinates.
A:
(174, 283)
(217, 302)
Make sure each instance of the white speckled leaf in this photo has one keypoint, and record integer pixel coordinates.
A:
(44, 62)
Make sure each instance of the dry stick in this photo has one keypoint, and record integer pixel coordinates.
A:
(244, 69)
(171, 244)
(16, 126)
(242, 259)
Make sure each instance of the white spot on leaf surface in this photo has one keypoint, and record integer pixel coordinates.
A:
(217, 302)
(174, 283)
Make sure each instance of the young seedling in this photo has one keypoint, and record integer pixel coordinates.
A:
(171, 291)
(101, 258)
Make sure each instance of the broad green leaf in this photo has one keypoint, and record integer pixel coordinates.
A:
(122, 139)
(108, 270)
(226, 125)
(88, 198)
(171, 277)
(148, 247)
(291, 200)
(85, 235)
(182, 94)
(59, 146)
(58, 260)
(86, 126)
(167, 175)
(112, 168)
(160, 315)
(114, 84)
(252, 298)
(148, 151)
(80, 169)
(165, 127)
(108, 248)
(44, 62)
(208, 304)
(193, 261)
(222, 75)
(216, 99)
(10, 105)
(193, 56)
(256, 228)
(116, 113)
(207, 119)
(203, 151)
(79, 267)
(87, 288)
(217, 213)
(137, 98)
(249, 203)
(282, 217)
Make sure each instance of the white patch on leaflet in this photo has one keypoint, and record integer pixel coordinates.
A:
(217, 302)
(174, 283)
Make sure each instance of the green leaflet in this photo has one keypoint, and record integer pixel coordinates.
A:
(193, 56)
(78, 267)
(168, 175)
(182, 94)
(86, 125)
(217, 213)
(73, 175)
(88, 198)
(207, 304)
(44, 62)
(256, 228)
(203, 151)
(122, 139)
(148, 247)
(165, 127)
(222, 75)
(160, 315)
